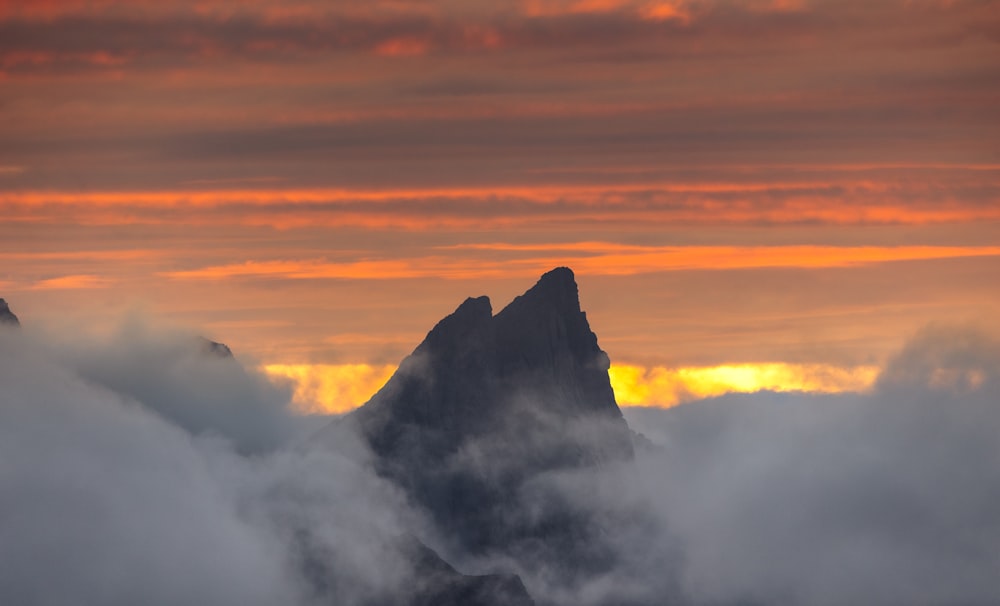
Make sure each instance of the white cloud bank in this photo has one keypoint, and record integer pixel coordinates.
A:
(137, 470)
(120, 484)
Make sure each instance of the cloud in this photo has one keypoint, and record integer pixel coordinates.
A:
(113, 489)
(212, 92)
(105, 503)
(883, 498)
(71, 282)
(880, 498)
(75, 36)
(118, 486)
(593, 258)
(846, 200)
(170, 373)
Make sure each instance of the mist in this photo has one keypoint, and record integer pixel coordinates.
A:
(176, 374)
(880, 498)
(125, 478)
(137, 468)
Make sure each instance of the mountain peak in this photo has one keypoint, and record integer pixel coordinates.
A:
(486, 403)
(214, 348)
(474, 371)
(456, 334)
(559, 277)
(469, 316)
(555, 290)
(6, 315)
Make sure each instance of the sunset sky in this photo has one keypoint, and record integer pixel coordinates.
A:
(752, 193)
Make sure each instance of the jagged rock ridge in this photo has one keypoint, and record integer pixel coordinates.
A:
(7, 317)
(533, 365)
(487, 403)
(214, 348)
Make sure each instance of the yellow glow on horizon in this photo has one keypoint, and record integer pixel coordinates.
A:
(664, 387)
(337, 388)
(331, 388)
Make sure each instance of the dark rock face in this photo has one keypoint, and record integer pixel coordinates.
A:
(484, 405)
(214, 348)
(7, 317)
(439, 584)
(534, 368)
(431, 580)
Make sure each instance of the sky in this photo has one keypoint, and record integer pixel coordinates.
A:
(771, 193)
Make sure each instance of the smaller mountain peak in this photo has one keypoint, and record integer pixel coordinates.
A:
(558, 284)
(559, 275)
(555, 290)
(214, 348)
(475, 306)
(6, 315)
(471, 317)
(473, 312)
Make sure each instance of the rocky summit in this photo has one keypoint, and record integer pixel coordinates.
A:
(488, 403)
(533, 373)
(7, 317)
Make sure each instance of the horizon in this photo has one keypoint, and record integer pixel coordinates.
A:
(326, 389)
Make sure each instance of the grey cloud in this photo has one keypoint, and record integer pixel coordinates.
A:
(109, 496)
(496, 149)
(169, 39)
(104, 501)
(880, 499)
(170, 373)
(885, 498)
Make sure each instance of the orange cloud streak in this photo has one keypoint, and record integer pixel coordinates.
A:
(73, 282)
(403, 47)
(833, 202)
(586, 258)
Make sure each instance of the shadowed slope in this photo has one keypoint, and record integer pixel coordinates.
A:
(487, 404)
(7, 317)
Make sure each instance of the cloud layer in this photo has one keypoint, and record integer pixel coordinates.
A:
(883, 498)
(121, 483)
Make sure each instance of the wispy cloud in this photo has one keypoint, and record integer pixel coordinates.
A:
(588, 258)
(890, 200)
(72, 282)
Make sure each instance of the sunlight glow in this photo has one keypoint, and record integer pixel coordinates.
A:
(337, 388)
(331, 388)
(664, 387)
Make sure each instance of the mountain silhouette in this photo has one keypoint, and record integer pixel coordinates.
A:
(525, 373)
(7, 317)
(487, 404)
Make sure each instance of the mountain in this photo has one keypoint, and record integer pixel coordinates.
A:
(214, 348)
(439, 584)
(7, 317)
(485, 406)
(524, 373)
